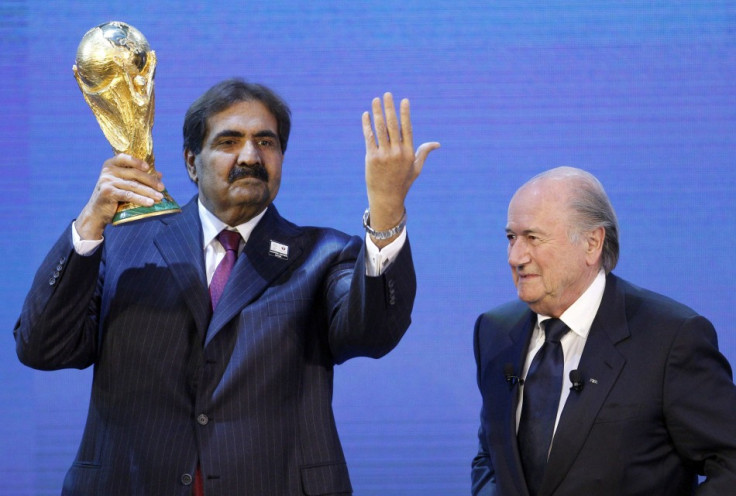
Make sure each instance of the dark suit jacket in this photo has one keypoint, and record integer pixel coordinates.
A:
(246, 391)
(658, 405)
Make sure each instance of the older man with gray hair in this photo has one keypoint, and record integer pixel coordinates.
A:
(592, 386)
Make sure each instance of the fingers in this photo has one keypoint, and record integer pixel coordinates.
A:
(379, 123)
(406, 131)
(370, 139)
(128, 179)
(386, 123)
(392, 124)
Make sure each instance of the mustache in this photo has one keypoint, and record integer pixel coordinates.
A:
(257, 171)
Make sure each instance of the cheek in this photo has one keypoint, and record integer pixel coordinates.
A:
(274, 174)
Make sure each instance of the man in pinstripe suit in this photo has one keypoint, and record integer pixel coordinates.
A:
(237, 399)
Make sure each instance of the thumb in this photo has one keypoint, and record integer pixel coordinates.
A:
(422, 152)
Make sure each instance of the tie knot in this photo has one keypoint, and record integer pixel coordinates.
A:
(554, 329)
(230, 240)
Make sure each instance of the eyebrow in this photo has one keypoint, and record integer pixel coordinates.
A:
(227, 133)
(266, 133)
(525, 232)
(232, 133)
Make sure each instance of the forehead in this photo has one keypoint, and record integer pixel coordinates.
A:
(539, 206)
(245, 116)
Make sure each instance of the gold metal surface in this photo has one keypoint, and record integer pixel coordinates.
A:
(114, 68)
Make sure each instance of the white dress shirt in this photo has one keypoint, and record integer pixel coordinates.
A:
(578, 317)
(377, 259)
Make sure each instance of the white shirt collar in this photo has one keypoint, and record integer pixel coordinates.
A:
(211, 225)
(580, 315)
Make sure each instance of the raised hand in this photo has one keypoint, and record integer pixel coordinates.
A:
(391, 164)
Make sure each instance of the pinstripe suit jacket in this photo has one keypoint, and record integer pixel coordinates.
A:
(245, 391)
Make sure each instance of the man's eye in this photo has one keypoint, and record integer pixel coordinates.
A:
(511, 237)
(265, 143)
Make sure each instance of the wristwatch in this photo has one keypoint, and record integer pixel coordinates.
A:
(382, 234)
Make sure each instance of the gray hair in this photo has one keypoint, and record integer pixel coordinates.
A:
(592, 209)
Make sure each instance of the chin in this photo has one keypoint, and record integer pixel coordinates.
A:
(534, 302)
(251, 196)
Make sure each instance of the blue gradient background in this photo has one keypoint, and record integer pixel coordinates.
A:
(640, 93)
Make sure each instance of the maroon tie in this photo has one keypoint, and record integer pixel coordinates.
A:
(230, 240)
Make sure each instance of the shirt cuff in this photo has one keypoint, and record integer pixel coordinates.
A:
(84, 247)
(378, 259)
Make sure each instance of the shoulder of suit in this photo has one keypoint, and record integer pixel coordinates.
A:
(640, 299)
(505, 314)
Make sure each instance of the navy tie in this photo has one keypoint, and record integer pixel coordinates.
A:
(542, 389)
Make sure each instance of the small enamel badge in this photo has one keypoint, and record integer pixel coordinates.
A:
(278, 250)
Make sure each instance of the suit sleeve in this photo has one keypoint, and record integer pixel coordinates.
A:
(368, 315)
(57, 327)
(482, 475)
(700, 403)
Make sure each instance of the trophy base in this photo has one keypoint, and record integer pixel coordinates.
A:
(128, 212)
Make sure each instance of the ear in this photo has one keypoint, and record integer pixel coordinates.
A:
(594, 245)
(189, 158)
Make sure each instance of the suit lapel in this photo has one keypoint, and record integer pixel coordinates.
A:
(180, 245)
(256, 267)
(505, 398)
(601, 364)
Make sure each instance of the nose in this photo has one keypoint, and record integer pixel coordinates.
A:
(518, 253)
(249, 154)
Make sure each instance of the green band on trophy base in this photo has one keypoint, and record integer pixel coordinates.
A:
(136, 212)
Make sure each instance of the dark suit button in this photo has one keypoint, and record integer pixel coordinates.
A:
(59, 267)
(202, 419)
(62, 260)
(391, 283)
(56, 274)
(52, 281)
(186, 479)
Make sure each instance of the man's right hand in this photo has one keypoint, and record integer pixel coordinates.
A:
(123, 179)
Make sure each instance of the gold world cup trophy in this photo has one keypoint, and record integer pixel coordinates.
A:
(114, 68)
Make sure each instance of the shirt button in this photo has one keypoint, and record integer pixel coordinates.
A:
(202, 419)
(186, 479)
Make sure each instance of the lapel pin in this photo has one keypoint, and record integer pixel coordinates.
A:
(593, 381)
(279, 250)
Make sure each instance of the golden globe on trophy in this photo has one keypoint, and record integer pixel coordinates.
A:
(114, 68)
